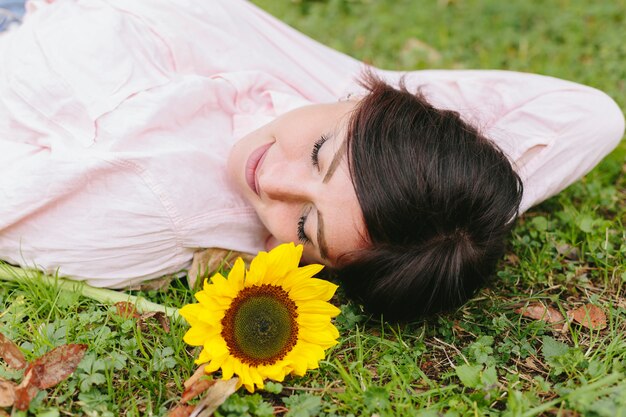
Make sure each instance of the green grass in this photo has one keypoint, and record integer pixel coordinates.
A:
(484, 359)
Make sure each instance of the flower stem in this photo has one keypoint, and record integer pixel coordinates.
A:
(103, 295)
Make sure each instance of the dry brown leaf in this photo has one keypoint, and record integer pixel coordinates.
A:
(56, 365)
(181, 411)
(7, 393)
(4, 414)
(196, 389)
(164, 321)
(513, 259)
(196, 376)
(568, 251)
(159, 315)
(538, 311)
(534, 364)
(11, 354)
(126, 310)
(26, 390)
(589, 316)
(215, 396)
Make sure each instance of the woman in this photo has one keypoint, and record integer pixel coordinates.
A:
(119, 122)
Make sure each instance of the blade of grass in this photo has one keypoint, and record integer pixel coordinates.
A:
(103, 295)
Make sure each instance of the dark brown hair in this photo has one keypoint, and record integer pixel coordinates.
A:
(438, 201)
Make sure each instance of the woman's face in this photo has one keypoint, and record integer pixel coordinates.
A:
(294, 172)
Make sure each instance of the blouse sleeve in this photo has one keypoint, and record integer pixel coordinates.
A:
(554, 131)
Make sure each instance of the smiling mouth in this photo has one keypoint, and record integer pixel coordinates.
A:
(254, 162)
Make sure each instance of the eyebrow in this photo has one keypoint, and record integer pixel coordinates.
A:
(335, 162)
(321, 240)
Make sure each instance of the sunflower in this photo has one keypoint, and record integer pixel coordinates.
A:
(267, 322)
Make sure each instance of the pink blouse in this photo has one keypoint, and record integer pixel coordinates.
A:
(116, 119)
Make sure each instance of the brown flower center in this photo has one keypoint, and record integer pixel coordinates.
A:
(260, 325)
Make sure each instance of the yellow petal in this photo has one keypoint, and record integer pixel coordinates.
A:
(213, 301)
(216, 346)
(301, 274)
(198, 314)
(215, 364)
(206, 285)
(203, 357)
(313, 354)
(325, 337)
(280, 261)
(191, 311)
(228, 367)
(318, 307)
(258, 269)
(313, 289)
(246, 379)
(256, 376)
(312, 321)
(236, 276)
(276, 372)
(197, 335)
(299, 367)
(223, 287)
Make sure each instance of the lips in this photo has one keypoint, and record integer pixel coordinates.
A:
(255, 160)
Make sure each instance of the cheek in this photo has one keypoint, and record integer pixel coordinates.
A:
(310, 258)
(271, 243)
(280, 223)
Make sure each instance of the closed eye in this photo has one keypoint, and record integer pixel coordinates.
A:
(302, 237)
(316, 150)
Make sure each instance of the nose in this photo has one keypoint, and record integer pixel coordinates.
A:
(284, 182)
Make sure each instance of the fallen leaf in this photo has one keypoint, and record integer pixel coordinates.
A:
(196, 389)
(11, 354)
(7, 393)
(589, 316)
(4, 414)
(215, 396)
(181, 411)
(126, 310)
(26, 390)
(164, 321)
(513, 259)
(568, 251)
(56, 365)
(196, 376)
(159, 315)
(538, 311)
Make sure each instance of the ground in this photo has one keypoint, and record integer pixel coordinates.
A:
(487, 358)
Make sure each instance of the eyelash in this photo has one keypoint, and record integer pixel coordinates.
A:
(301, 235)
(316, 149)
